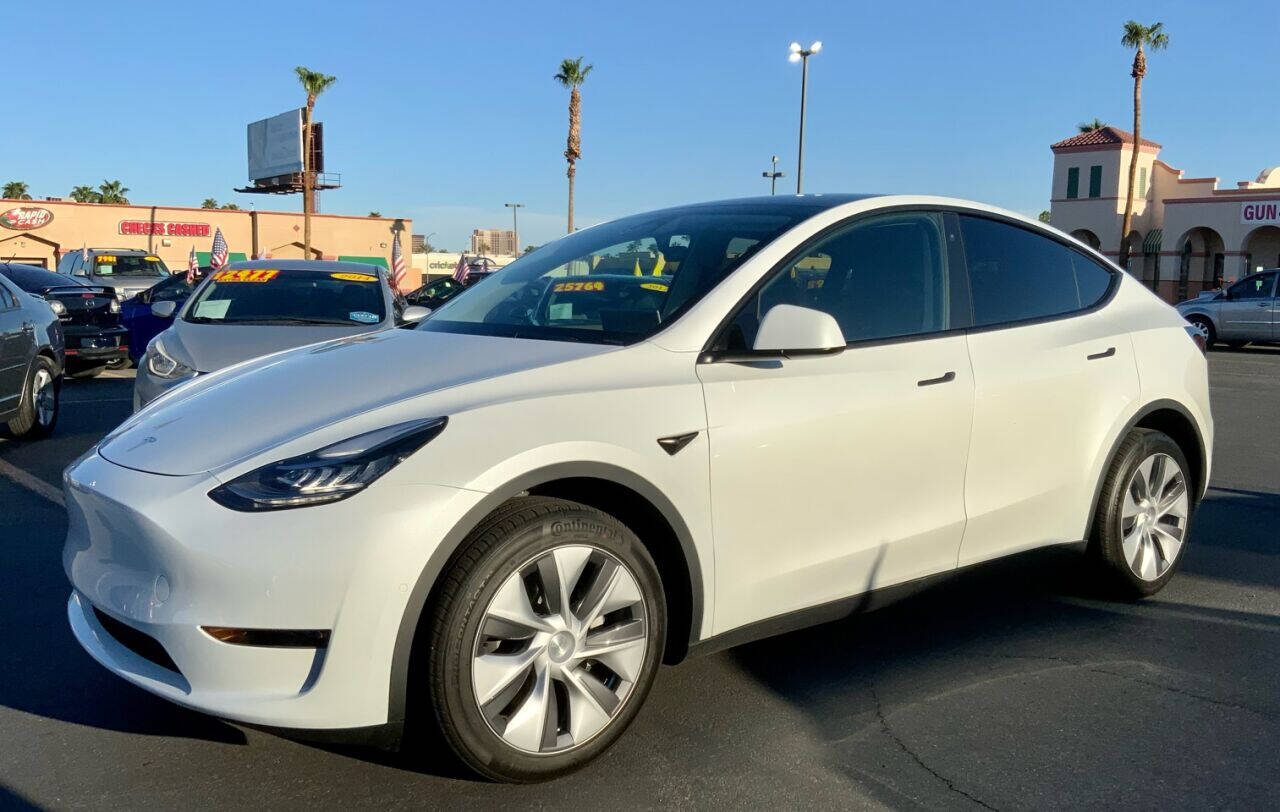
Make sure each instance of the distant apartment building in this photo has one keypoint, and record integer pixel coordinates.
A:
(1187, 235)
(493, 241)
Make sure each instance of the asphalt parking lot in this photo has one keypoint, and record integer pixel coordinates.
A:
(1009, 686)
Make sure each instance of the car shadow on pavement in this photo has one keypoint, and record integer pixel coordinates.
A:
(43, 670)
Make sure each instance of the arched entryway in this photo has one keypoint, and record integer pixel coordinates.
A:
(1261, 248)
(1202, 257)
(1087, 237)
(28, 249)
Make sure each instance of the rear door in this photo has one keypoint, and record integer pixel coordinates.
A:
(1053, 372)
(1246, 313)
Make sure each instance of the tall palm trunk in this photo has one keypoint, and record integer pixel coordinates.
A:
(573, 150)
(1139, 70)
(308, 178)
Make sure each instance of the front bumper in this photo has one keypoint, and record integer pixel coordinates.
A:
(156, 554)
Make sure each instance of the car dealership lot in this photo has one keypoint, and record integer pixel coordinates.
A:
(1009, 686)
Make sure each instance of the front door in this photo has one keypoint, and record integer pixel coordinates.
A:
(833, 475)
(13, 357)
(1245, 315)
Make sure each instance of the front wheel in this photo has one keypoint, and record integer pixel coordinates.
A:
(1144, 513)
(546, 638)
(38, 412)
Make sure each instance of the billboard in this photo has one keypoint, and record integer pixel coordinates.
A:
(275, 145)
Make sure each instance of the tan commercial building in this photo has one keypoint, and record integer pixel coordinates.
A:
(39, 232)
(492, 241)
(1187, 235)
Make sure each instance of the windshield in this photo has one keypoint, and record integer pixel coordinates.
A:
(272, 296)
(128, 265)
(619, 282)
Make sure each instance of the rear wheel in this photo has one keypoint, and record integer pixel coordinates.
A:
(38, 412)
(1144, 513)
(546, 639)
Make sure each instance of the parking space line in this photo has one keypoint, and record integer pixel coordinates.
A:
(34, 484)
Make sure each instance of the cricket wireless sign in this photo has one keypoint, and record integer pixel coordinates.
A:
(1266, 212)
(25, 218)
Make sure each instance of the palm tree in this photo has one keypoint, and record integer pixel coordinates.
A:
(15, 190)
(314, 83)
(1090, 126)
(85, 194)
(375, 214)
(112, 191)
(209, 203)
(229, 207)
(572, 74)
(1139, 37)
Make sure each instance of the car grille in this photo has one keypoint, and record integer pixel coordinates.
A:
(140, 643)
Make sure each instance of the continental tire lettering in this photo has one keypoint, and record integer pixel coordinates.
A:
(560, 527)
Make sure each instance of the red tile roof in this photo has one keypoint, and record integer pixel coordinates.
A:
(1101, 138)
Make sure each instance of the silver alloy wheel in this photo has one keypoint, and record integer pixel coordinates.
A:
(43, 397)
(560, 648)
(1153, 518)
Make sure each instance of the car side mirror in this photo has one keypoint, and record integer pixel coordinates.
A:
(794, 330)
(415, 313)
(164, 310)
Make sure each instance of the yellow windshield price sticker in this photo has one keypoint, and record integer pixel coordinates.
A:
(246, 275)
(354, 277)
(105, 259)
(654, 286)
(152, 259)
(565, 287)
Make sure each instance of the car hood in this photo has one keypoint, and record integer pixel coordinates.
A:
(125, 286)
(210, 347)
(216, 421)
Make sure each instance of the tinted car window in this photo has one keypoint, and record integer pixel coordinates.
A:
(883, 277)
(1016, 274)
(173, 289)
(270, 296)
(1253, 287)
(7, 299)
(32, 279)
(684, 251)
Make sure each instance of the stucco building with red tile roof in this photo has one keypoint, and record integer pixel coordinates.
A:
(1188, 235)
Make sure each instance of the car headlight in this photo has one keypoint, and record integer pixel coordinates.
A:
(59, 309)
(330, 474)
(163, 365)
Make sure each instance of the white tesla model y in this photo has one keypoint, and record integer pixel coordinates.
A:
(664, 434)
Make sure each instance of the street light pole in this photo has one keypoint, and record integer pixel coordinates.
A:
(773, 176)
(515, 225)
(802, 55)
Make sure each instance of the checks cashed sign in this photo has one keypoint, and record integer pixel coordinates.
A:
(25, 218)
(1263, 212)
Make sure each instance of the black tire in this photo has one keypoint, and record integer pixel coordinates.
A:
(1106, 544)
(510, 540)
(118, 363)
(1236, 345)
(1210, 334)
(86, 372)
(27, 422)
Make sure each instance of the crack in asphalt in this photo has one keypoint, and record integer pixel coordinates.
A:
(950, 785)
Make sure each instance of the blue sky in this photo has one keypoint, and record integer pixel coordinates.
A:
(444, 111)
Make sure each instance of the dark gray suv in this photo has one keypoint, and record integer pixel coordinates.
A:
(128, 270)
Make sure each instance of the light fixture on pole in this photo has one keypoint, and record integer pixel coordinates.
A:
(773, 176)
(515, 226)
(801, 55)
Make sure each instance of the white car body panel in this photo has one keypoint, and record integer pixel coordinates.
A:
(927, 478)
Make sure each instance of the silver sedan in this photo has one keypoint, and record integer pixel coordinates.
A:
(249, 309)
(1247, 311)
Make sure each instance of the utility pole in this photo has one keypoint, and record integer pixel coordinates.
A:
(773, 176)
(515, 224)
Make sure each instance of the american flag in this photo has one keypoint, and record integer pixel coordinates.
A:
(397, 263)
(463, 270)
(84, 252)
(218, 256)
(193, 266)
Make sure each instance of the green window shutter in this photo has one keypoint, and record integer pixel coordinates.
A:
(1142, 182)
(232, 256)
(379, 261)
(1073, 182)
(1095, 181)
(203, 257)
